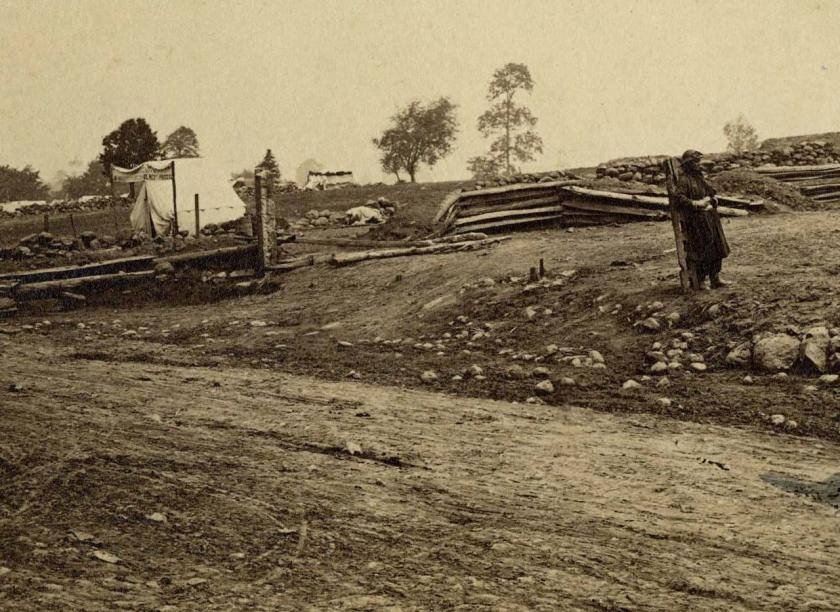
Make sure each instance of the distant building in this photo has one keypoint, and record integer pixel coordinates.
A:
(329, 180)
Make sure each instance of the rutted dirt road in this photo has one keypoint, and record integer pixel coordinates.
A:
(230, 488)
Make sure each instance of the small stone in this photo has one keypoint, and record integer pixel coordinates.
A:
(541, 372)
(656, 346)
(258, 324)
(515, 371)
(344, 344)
(157, 517)
(530, 312)
(544, 387)
(777, 419)
(596, 356)
(457, 377)
(428, 376)
(740, 356)
(551, 349)
(651, 324)
(659, 367)
(698, 366)
(829, 379)
(534, 400)
(567, 382)
(474, 370)
(663, 382)
(664, 402)
(630, 384)
(674, 365)
(747, 379)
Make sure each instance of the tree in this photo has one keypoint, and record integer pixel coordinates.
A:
(183, 142)
(511, 123)
(23, 184)
(91, 182)
(129, 145)
(484, 168)
(419, 134)
(269, 163)
(741, 135)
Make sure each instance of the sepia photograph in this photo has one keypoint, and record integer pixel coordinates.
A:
(419, 305)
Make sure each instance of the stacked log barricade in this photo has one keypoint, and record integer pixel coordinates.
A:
(819, 183)
(563, 203)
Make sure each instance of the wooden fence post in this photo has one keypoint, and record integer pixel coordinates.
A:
(265, 222)
(197, 219)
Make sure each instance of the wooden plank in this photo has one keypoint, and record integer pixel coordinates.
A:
(534, 203)
(508, 222)
(444, 211)
(222, 255)
(354, 242)
(54, 288)
(661, 201)
(504, 214)
(613, 209)
(125, 264)
(469, 202)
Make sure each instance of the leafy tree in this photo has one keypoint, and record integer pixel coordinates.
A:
(91, 182)
(419, 134)
(741, 135)
(511, 123)
(484, 168)
(129, 145)
(307, 166)
(23, 184)
(269, 163)
(183, 142)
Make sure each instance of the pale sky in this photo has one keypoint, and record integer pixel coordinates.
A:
(320, 79)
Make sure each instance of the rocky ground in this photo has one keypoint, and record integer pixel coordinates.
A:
(607, 331)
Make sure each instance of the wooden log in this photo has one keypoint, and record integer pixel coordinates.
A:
(460, 238)
(506, 198)
(341, 259)
(521, 204)
(126, 264)
(353, 242)
(505, 214)
(447, 203)
(614, 209)
(300, 262)
(504, 223)
(235, 254)
(54, 288)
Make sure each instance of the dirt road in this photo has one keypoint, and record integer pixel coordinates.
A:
(230, 488)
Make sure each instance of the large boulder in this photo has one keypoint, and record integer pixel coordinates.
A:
(813, 351)
(776, 352)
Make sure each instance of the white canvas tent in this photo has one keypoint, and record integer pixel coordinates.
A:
(165, 187)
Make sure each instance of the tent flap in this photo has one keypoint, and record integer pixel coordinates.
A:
(154, 207)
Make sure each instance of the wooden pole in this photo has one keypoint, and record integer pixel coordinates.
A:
(174, 203)
(114, 200)
(73, 227)
(46, 222)
(259, 264)
(542, 267)
(197, 219)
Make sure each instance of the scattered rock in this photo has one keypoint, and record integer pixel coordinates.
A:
(740, 356)
(747, 379)
(104, 555)
(544, 387)
(698, 366)
(156, 517)
(663, 382)
(474, 370)
(630, 384)
(776, 352)
(428, 376)
(596, 356)
(777, 419)
(829, 379)
(515, 371)
(551, 349)
(541, 372)
(664, 402)
(660, 367)
(651, 324)
(567, 382)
